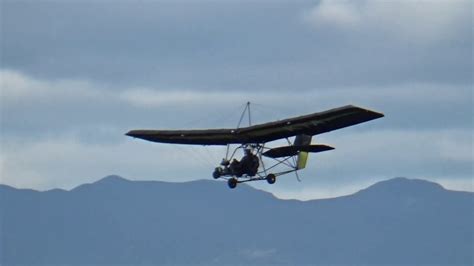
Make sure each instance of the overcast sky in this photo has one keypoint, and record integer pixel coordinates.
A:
(77, 75)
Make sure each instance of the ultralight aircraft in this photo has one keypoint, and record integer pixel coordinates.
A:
(253, 139)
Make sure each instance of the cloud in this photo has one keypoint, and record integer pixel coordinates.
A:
(76, 128)
(363, 157)
(360, 159)
(338, 13)
(364, 154)
(59, 106)
(210, 47)
(416, 152)
(67, 162)
(147, 97)
(77, 76)
(411, 20)
(16, 86)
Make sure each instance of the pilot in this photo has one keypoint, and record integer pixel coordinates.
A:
(248, 164)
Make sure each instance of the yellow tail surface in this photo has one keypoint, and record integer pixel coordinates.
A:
(302, 155)
(302, 159)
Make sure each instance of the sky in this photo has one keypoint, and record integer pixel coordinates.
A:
(77, 75)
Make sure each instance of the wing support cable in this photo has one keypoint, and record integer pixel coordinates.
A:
(295, 165)
(246, 110)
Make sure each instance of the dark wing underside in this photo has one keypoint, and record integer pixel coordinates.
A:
(312, 124)
(295, 149)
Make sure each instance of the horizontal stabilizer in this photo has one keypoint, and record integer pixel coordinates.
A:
(295, 149)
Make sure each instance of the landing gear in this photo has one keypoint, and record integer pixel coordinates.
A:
(232, 183)
(271, 178)
(217, 173)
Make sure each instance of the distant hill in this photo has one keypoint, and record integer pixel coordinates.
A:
(116, 221)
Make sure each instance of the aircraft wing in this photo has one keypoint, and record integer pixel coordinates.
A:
(312, 124)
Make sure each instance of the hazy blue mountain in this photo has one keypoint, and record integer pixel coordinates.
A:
(116, 221)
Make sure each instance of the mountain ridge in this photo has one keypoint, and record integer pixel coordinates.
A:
(387, 185)
(118, 221)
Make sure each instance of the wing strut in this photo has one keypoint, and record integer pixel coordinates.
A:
(246, 110)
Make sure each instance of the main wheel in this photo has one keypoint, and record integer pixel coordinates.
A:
(271, 178)
(232, 182)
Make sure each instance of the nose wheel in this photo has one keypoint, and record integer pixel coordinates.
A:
(217, 173)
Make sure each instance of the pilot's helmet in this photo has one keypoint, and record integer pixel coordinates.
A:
(247, 151)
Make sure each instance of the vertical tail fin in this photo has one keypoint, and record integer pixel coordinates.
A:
(302, 140)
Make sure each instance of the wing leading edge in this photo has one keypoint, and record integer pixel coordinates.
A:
(312, 124)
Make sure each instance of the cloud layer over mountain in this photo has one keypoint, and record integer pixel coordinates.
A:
(75, 76)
